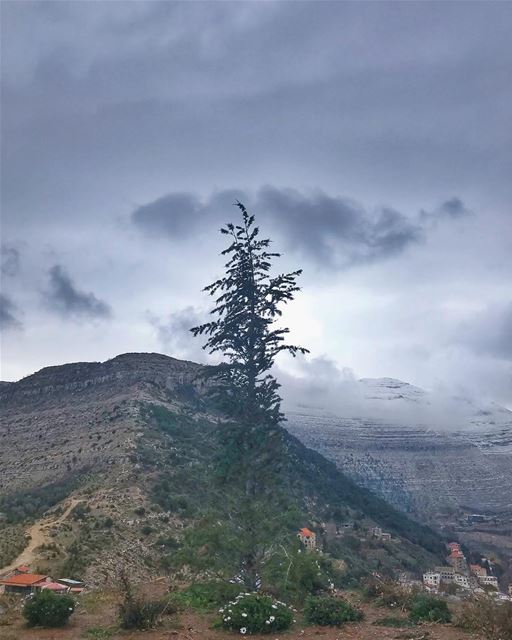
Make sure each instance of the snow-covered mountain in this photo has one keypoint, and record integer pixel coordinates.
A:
(428, 453)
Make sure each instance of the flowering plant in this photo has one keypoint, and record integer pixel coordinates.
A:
(255, 613)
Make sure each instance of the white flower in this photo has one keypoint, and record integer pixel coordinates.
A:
(243, 630)
(244, 615)
(274, 606)
(267, 621)
(271, 618)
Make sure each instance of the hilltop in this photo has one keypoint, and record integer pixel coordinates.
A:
(136, 444)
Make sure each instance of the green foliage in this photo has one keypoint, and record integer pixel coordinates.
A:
(205, 596)
(330, 611)
(429, 609)
(98, 633)
(486, 617)
(12, 542)
(247, 305)
(47, 609)
(393, 621)
(254, 613)
(292, 574)
(22, 505)
(140, 614)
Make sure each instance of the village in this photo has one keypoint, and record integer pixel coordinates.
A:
(23, 582)
(456, 578)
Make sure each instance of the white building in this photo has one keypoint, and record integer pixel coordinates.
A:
(462, 581)
(432, 579)
(491, 581)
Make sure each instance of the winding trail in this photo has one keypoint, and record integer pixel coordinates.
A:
(38, 533)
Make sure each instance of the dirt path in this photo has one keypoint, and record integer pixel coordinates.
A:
(38, 533)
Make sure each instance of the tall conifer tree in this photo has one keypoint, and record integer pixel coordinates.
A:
(247, 306)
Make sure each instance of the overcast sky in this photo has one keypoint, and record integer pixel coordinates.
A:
(372, 141)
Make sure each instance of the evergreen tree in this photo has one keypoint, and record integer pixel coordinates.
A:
(246, 308)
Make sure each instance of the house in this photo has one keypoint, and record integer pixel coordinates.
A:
(453, 546)
(447, 574)
(458, 561)
(75, 586)
(477, 570)
(432, 579)
(307, 537)
(22, 569)
(462, 581)
(56, 587)
(24, 583)
(490, 581)
(378, 533)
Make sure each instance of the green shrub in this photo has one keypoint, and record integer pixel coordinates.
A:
(329, 611)
(205, 596)
(46, 609)
(140, 614)
(255, 613)
(428, 609)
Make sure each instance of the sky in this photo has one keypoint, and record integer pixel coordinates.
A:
(373, 142)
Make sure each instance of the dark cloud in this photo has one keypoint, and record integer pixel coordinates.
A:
(64, 298)
(10, 260)
(175, 214)
(8, 313)
(332, 231)
(450, 209)
(489, 332)
(336, 232)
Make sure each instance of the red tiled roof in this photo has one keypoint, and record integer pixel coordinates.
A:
(24, 580)
(306, 533)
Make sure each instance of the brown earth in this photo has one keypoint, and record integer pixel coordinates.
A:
(100, 613)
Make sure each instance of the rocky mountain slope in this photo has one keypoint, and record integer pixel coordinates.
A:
(441, 459)
(132, 445)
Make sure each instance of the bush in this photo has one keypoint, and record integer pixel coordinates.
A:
(487, 617)
(429, 609)
(140, 614)
(46, 609)
(205, 596)
(136, 613)
(255, 613)
(328, 611)
(388, 593)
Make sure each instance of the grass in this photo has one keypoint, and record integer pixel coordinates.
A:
(98, 633)
(394, 622)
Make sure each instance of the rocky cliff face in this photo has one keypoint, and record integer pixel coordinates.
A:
(62, 421)
(439, 459)
(426, 455)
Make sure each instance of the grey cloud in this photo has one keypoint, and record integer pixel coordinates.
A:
(336, 231)
(8, 314)
(175, 214)
(489, 332)
(64, 298)
(10, 261)
(450, 209)
(332, 231)
(173, 333)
